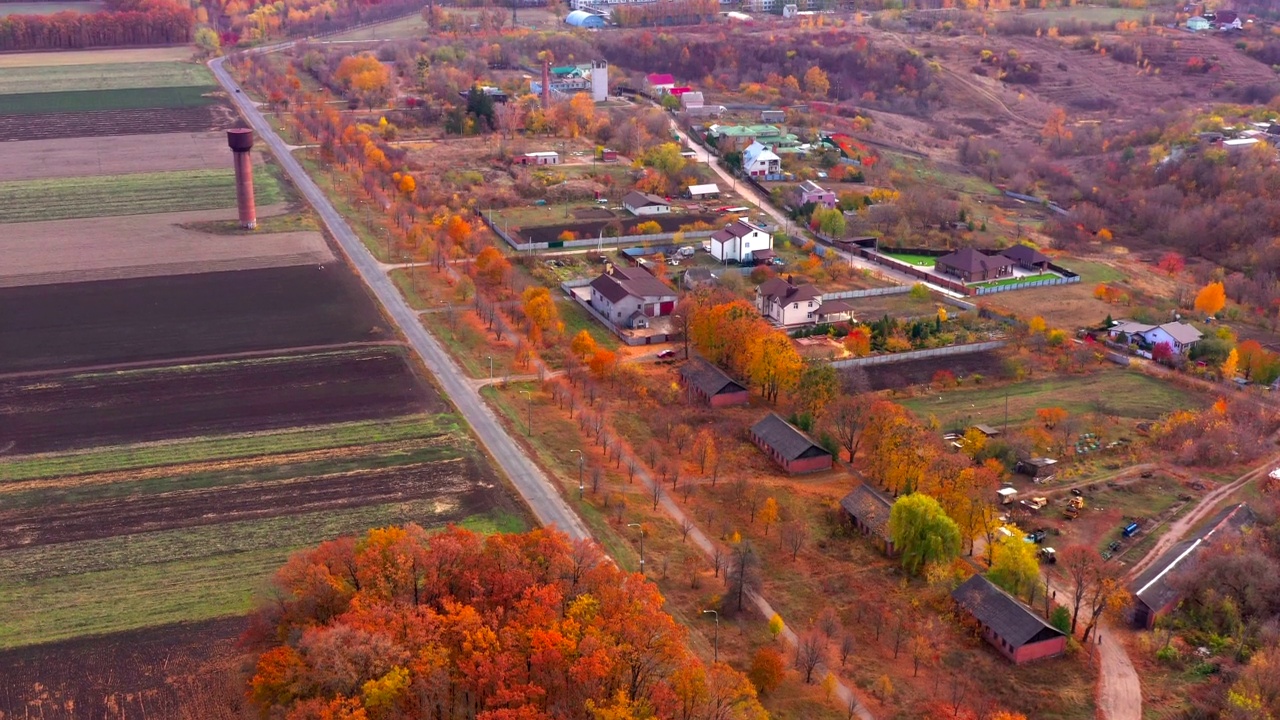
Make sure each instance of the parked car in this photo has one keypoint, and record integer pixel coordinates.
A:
(666, 354)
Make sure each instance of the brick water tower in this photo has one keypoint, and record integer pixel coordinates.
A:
(241, 142)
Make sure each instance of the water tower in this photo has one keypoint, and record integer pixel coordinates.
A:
(599, 80)
(241, 142)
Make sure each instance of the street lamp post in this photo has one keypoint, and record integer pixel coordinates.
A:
(716, 642)
(528, 428)
(490, 359)
(581, 459)
(638, 525)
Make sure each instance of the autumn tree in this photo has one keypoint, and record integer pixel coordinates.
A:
(1230, 365)
(583, 344)
(817, 387)
(809, 651)
(1055, 128)
(769, 513)
(816, 82)
(774, 364)
(922, 532)
(1171, 263)
(541, 312)
(768, 670)
(858, 342)
(1211, 298)
(1014, 565)
(365, 76)
(846, 419)
(492, 268)
(402, 623)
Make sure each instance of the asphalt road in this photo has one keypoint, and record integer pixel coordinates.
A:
(532, 484)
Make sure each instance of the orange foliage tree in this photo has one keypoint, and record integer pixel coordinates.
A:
(1211, 298)
(402, 623)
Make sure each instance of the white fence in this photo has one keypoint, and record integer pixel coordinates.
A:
(1020, 286)
(918, 354)
(872, 292)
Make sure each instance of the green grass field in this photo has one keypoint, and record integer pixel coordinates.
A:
(1016, 280)
(1102, 15)
(47, 103)
(48, 8)
(576, 320)
(917, 260)
(137, 194)
(1127, 394)
(116, 76)
(227, 447)
(93, 587)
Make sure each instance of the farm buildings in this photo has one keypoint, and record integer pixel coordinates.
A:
(787, 446)
(868, 510)
(711, 385)
(1018, 632)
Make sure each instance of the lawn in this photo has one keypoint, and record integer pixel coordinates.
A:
(47, 103)
(917, 260)
(44, 80)
(1016, 280)
(48, 8)
(137, 194)
(576, 319)
(1126, 394)
(227, 447)
(122, 583)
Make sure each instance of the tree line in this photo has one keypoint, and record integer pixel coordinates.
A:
(123, 22)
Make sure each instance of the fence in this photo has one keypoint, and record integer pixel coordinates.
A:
(589, 242)
(918, 354)
(1023, 285)
(914, 271)
(872, 292)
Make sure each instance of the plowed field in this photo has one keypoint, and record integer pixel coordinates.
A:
(114, 122)
(62, 412)
(147, 319)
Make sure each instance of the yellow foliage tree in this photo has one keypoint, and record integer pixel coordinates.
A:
(774, 364)
(583, 344)
(1036, 325)
(1211, 298)
(816, 82)
(1231, 364)
(769, 513)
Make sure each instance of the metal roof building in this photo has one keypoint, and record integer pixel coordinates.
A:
(582, 18)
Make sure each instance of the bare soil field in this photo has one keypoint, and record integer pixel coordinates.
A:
(101, 123)
(97, 57)
(449, 481)
(71, 411)
(121, 155)
(152, 672)
(894, 376)
(72, 325)
(139, 246)
(669, 223)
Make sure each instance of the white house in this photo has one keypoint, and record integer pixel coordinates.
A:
(789, 305)
(739, 241)
(660, 83)
(759, 161)
(692, 99)
(645, 204)
(539, 158)
(1180, 336)
(629, 296)
(704, 192)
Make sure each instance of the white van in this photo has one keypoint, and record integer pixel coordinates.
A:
(686, 251)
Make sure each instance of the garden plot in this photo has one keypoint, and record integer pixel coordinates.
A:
(121, 155)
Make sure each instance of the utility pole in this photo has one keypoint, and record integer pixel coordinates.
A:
(638, 525)
(715, 643)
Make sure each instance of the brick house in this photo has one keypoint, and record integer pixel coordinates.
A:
(1015, 630)
(972, 266)
(791, 449)
(868, 511)
(629, 296)
(711, 385)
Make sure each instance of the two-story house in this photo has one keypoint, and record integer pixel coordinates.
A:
(738, 241)
(789, 305)
(758, 161)
(812, 192)
(627, 297)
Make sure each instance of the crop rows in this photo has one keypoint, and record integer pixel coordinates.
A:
(39, 80)
(46, 103)
(107, 122)
(138, 194)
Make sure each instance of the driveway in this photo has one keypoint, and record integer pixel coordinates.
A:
(544, 501)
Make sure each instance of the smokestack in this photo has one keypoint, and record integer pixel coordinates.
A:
(546, 84)
(240, 140)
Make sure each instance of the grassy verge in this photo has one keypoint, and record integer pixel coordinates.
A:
(46, 103)
(1123, 393)
(356, 217)
(227, 447)
(1016, 280)
(108, 76)
(136, 194)
(123, 583)
(917, 260)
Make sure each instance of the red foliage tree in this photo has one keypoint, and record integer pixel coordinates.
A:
(401, 623)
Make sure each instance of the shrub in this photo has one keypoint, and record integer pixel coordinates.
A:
(1168, 655)
(1060, 618)
(919, 292)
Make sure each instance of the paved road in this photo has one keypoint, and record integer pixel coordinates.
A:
(538, 491)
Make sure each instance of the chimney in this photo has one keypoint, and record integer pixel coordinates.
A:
(546, 84)
(240, 140)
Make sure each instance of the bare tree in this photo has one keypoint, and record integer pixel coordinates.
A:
(846, 418)
(793, 537)
(809, 654)
(743, 575)
(755, 498)
(656, 493)
(900, 632)
(632, 464)
(618, 505)
(685, 526)
(846, 648)
(717, 559)
(829, 623)
(597, 474)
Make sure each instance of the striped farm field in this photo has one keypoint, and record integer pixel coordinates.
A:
(137, 194)
(48, 103)
(113, 76)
